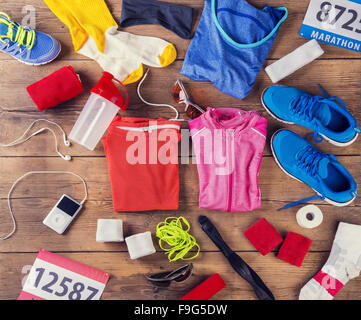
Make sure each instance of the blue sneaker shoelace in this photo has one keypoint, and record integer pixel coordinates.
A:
(22, 36)
(309, 159)
(304, 106)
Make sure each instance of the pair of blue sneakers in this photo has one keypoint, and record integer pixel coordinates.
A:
(329, 119)
(26, 45)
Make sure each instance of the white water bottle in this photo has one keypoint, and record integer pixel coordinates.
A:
(102, 106)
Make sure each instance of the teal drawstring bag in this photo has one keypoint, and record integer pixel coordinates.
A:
(231, 44)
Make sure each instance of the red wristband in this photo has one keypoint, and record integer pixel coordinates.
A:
(294, 249)
(207, 289)
(263, 236)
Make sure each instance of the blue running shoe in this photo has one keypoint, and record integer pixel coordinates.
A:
(322, 172)
(28, 46)
(324, 116)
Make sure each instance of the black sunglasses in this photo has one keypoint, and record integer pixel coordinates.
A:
(180, 95)
(164, 279)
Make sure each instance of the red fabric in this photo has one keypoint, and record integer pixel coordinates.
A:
(294, 249)
(60, 86)
(263, 236)
(331, 284)
(142, 186)
(108, 90)
(207, 289)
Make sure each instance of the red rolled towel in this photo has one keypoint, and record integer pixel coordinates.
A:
(207, 289)
(60, 86)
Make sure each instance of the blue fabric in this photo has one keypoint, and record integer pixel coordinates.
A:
(176, 18)
(230, 46)
(322, 172)
(327, 117)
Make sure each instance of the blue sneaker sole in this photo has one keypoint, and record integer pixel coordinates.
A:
(332, 202)
(36, 64)
(335, 143)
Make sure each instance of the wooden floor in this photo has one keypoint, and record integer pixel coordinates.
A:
(338, 71)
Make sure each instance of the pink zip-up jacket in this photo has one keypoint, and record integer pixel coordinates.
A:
(228, 144)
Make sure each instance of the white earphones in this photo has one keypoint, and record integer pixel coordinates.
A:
(156, 104)
(38, 172)
(23, 139)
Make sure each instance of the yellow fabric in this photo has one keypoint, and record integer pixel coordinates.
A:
(168, 56)
(134, 76)
(84, 18)
(95, 34)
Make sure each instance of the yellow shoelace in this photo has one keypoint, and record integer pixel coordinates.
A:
(21, 33)
(179, 241)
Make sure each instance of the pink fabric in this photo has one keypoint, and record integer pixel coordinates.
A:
(228, 144)
(331, 284)
(28, 296)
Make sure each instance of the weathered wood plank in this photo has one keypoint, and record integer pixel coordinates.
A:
(31, 204)
(287, 40)
(274, 184)
(339, 77)
(13, 124)
(31, 234)
(19, 110)
(127, 276)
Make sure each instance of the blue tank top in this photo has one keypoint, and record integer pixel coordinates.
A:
(231, 44)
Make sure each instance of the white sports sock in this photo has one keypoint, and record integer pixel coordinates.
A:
(95, 35)
(125, 54)
(343, 264)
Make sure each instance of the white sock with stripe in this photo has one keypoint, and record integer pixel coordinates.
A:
(125, 54)
(343, 264)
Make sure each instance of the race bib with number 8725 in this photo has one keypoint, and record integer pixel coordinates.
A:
(53, 277)
(335, 22)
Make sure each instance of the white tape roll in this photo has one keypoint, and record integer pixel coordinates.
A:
(309, 217)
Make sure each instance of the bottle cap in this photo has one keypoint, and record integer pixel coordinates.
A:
(108, 90)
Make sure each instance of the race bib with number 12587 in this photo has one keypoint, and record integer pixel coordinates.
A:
(53, 277)
(335, 22)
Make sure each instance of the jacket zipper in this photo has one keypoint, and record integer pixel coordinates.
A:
(230, 181)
